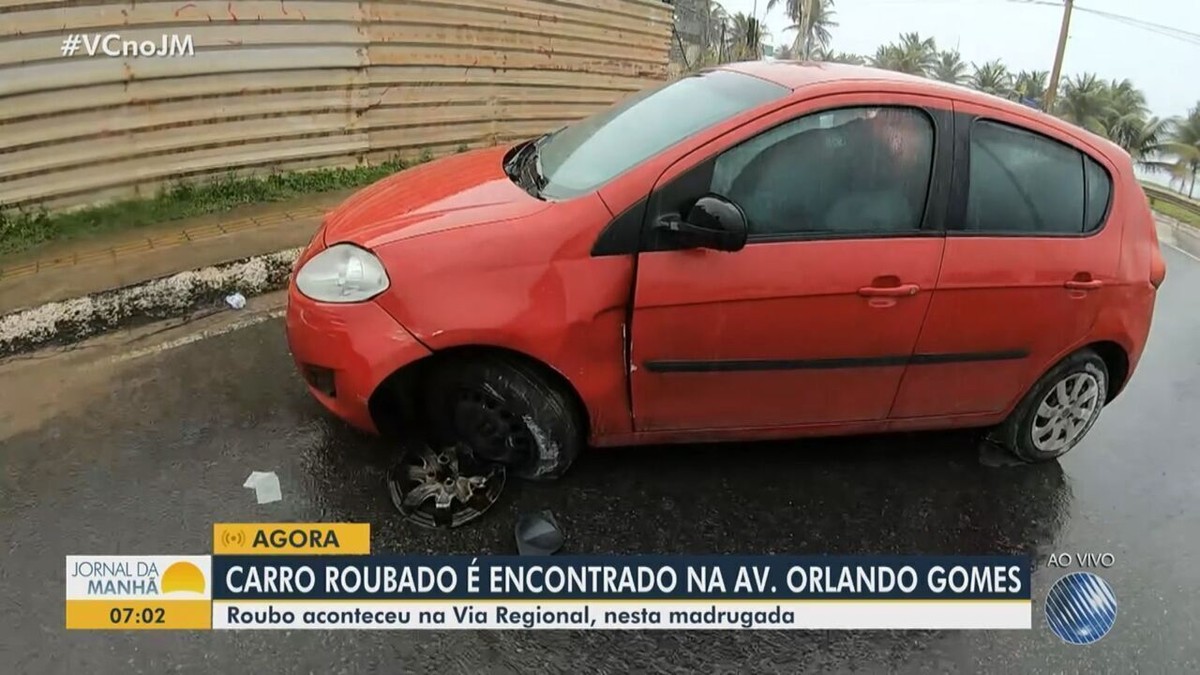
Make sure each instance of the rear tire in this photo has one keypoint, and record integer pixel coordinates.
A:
(506, 411)
(1058, 411)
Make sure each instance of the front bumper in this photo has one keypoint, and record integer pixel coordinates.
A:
(345, 351)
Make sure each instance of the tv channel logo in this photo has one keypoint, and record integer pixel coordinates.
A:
(1081, 608)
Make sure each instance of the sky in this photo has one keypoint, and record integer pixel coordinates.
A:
(1025, 35)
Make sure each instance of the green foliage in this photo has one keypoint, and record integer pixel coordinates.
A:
(912, 54)
(1114, 109)
(24, 228)
(949, 67)
(1031, 84)
(992, 78)
(744, 37)
(1175, 211)
(843, 57)
(812, 21)
(1180, 149)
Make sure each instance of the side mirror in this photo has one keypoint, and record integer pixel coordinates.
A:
(713, 222)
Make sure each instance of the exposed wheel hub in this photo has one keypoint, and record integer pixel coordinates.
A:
(492, 430)
(444, 488)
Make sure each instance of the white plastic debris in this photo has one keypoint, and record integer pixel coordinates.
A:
(236, 300)
(265, 485)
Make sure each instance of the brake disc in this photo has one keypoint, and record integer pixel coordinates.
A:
(444, 488)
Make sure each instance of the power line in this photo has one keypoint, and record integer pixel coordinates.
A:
(1150, 26)
(1159, 28)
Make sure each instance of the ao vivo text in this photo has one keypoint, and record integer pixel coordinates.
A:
(1083, 560)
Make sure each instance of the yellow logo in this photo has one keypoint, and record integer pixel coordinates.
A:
(183, 576)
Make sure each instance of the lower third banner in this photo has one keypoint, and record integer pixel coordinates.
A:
(620, 592)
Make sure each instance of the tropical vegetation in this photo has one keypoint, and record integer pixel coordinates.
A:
(1115, 109)
(812, 21)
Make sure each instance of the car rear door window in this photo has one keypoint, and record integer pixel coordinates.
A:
(849, 172)
(1025, 183)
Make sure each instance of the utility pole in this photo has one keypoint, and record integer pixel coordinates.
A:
(1048, 99)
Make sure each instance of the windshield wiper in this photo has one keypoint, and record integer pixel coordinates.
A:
(528, 166)
(525, 166)
(513, 166)
(533, 166)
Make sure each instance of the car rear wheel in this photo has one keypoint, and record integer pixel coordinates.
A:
(507, 411)
(1058, 411)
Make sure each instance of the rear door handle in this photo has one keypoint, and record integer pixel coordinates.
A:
(1089, 285)
(889, 291)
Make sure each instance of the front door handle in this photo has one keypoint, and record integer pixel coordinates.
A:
(889, 291)
(1081, 285)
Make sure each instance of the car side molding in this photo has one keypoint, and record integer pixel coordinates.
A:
(736, 365)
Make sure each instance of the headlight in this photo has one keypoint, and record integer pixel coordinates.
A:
(342, 273)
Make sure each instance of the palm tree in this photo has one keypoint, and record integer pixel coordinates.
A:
(992, 78)
(1084, 100)
(744, 37)
(911, 55)
(1030, 85)
(1125, 119)
(844, 57)
(888, 57)
(1183, 144)
(949, 68)
(812, 21)
(1143, 140)
(922, 53)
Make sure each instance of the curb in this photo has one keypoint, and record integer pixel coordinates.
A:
(163, 240)
(67, 321)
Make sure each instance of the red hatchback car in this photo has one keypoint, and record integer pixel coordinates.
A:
(758, 251)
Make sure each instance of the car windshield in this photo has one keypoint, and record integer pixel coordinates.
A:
(582, 157)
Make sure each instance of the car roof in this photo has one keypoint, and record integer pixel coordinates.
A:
(799, 74)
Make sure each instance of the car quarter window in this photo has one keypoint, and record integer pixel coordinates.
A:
(1021, 182)
(850, 171)
(1099, 192)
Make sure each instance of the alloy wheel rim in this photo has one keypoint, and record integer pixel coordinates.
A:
(1066, 413)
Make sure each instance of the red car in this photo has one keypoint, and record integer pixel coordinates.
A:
(758, 251)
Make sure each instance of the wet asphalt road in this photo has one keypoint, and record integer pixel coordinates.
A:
(144, 456)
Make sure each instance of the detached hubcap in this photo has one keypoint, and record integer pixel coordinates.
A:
(1066, 413)
(443, 488)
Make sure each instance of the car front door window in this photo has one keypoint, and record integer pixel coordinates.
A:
(845, 172)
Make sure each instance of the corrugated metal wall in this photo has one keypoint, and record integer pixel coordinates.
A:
(291, 85)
